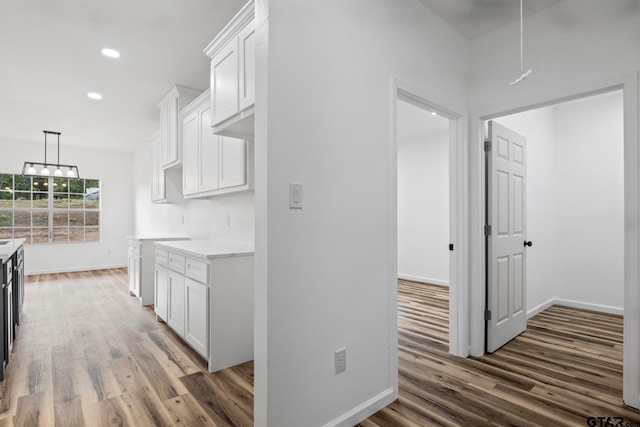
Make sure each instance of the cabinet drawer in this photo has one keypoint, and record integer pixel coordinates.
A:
(198, 270)
(162, 257)
(176, 263)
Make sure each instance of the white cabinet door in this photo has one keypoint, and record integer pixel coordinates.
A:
(197, 316)
(247, 67)
(209, 167)
(224, 83)
(172, 148)
(233, 154)
(169, 133)
(157, 174)
(164, 134)
(134, 274)
(190, 154)
(161, 291)
(175, 314)
(131, 268)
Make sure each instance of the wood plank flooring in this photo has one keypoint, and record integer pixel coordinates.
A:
(88, 355)
(565, 368)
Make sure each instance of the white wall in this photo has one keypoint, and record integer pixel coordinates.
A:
(575, 202)
(113, 169)
(325, 273)
(193, 218)
(590, 201)
(423, 208)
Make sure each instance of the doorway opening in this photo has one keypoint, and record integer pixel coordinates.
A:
(423, 135)
(574, 197)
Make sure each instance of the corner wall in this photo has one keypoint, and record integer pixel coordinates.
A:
(575, 202)
(423, 208)
(226, 217)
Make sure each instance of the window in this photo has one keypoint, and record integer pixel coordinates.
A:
(49, 210)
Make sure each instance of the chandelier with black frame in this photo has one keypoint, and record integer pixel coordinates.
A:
(39, 169)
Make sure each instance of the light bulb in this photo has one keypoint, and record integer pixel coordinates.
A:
(44, 171)
(31, 170)
(71, 174)
(58, 172)
(111, 53)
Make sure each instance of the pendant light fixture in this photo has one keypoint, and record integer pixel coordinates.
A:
(524, 74)
(43, 169)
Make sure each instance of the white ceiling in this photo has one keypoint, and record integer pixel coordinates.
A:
(51, 59)
(473, 18)
(415, 122)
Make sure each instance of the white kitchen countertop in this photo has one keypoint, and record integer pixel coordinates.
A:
(157, 237)
(207, 248)
(6, 250)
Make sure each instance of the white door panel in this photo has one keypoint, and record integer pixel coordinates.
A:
(506, 257)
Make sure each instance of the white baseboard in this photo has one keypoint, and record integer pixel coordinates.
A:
(539, 308)
(575, 304)
(73, 269)
(588, 306)
(423, 279)
(365, 410)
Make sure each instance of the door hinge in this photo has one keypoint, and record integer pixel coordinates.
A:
(450, 246)
(487, 230)
(487, 314)
(487, 146)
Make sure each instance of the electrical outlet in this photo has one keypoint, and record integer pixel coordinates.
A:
(341, 360)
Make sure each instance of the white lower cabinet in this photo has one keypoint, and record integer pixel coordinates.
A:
(134, 269)
(208, 302)
(161, 291)
(175, 316)
(196, 328)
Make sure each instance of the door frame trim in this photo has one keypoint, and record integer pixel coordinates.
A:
(629, 84)
(458, 210)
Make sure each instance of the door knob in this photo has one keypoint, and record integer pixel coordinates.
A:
(528, 243)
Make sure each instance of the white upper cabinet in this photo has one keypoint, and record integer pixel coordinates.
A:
(212, 164)
(165, 184)
(247, 67)
(224, 83)
(171, 124)
(232, 55)
(157, 174)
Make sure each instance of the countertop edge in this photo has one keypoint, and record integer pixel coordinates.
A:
(7, 251)
(202, 255)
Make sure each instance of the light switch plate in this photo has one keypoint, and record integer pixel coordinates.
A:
(295, 195)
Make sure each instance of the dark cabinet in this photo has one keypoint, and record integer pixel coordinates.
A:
(12, 297)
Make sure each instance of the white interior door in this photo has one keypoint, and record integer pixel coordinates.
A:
(506, 236)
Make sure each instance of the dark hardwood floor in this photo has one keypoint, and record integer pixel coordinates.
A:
(565, 368)
(88, 355)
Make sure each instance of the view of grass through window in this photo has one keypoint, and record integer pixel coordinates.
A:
(49, 210)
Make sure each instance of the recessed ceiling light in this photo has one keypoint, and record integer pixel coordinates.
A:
(94, 95)
(433, 113)
(111, 53)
